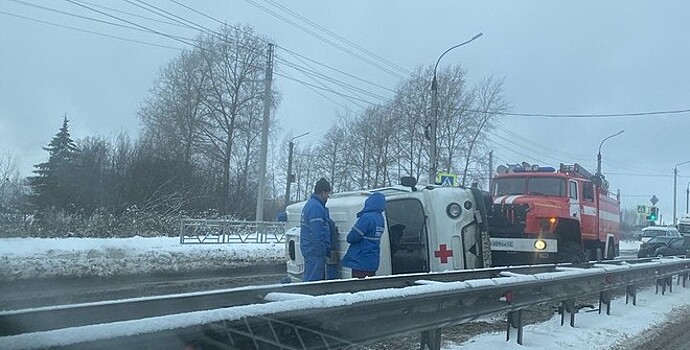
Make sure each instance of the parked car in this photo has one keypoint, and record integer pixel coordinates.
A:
(655, 231)
(648, 248)
(679, 246)
(684, 225)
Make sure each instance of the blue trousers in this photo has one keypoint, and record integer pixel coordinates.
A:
(314, 268)
(332, 272)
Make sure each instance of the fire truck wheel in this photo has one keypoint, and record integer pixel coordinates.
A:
(571, 253)
(611, 252)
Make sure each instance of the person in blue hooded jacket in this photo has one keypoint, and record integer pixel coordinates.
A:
(315, 232)
(364, 251)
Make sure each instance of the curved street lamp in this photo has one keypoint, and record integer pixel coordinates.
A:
(675, 182)
(599, 153)
(434, 108)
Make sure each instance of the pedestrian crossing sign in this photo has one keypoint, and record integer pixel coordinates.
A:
(446, 179)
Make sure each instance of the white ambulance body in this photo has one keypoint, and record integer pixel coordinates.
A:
(427, 229)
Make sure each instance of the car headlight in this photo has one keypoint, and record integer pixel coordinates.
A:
(453, 210)
(540, 244)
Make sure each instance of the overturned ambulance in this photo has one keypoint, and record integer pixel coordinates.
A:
(427, 229)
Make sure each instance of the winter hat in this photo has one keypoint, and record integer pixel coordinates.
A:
(322, 186)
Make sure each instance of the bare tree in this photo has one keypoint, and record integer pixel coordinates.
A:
(9, 179)
(409, 109)
(489, 103)
(173, 115)
(234, 64)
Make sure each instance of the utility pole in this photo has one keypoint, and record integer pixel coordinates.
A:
(290, 177)
(264, 135)
(675, 180)
(433, 158)
(491, 168)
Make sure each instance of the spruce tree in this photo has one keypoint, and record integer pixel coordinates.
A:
(53, 186)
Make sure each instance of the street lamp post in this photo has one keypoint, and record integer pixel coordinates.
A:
(599, 153)
(291, 146)
(675, 181)
(433, 154)
(687, 200)
(599, 178)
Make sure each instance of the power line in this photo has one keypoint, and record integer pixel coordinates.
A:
(131, 14)
(512, 150)
(324, 89)
(130, 22)
(284, 48)
(340, 38)
(554, 159)
(333, 80)
(513, 134)
(611, 115)
(88, 31)
(72, 14)
(324, 39)
(185, 41)
(582, 158)
(645, 175)
(284, 61)
(335, 69)
(324, 85)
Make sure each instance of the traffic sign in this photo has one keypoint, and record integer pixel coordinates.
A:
(641, 208)
(446, 179)
(654, 200)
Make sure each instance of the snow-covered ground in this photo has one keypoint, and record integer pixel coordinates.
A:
(27, 258)
(22, 258)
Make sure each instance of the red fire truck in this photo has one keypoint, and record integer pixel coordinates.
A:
(545, 215)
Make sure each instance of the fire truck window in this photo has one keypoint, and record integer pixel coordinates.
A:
(588, 191)
(408, 236)
(508, 186)
(573, 190)
(547, 186)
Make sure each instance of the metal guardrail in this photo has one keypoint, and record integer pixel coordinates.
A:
(330, 314)
(210, 231)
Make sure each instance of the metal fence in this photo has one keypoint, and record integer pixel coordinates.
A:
(335, 314)
(204, 231)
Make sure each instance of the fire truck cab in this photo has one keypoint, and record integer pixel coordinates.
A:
(427, 229)
(547, 215)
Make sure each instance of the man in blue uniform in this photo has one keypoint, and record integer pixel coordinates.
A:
(315, 232)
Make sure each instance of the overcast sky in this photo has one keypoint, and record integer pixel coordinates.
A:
(577, 57)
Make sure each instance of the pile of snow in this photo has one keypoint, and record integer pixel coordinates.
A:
(626, 327)
(23, 258)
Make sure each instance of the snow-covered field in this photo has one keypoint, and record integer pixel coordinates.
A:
(22, 258)
(27, 258)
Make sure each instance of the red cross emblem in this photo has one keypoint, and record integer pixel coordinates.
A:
(443, 253)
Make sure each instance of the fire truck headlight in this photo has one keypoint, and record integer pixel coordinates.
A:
(540, 244)
(453, 210)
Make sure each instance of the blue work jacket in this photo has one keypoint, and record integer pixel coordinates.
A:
(315, 230)
(364, 251)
